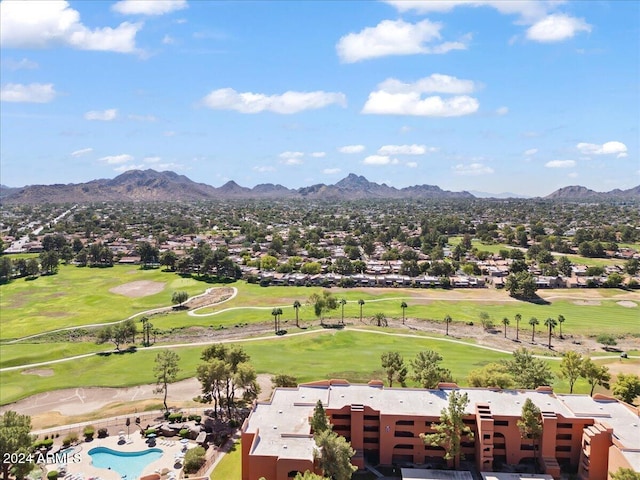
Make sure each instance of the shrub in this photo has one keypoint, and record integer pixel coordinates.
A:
(52, 475)
(184, 433)
(196, 418)
(89, 431)
(46, 443)
(175, 417)
(149, 431)
(194, 459)
(103, 433)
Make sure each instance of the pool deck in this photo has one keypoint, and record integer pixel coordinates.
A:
(136, 443)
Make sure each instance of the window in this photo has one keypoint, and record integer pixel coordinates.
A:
(371, 428)
(405, 422)
(403, 433)
(372, 417)
(341, 417)
(370, 440)
(563, 448)
(563, 436)
(404, 446)
(565, 425)
(501, 423)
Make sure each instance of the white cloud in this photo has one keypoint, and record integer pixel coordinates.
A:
(148, 7)
(394, 37)
(573, 175)
(556, 28)
(142, 118)
(502, 111)
(351, 149)
(434, 83)
(394, 97)
(102, 115)
(263, 169)
(406, 149)
(412, 164)
(22, 64)
(170, 166)
(331, 171)
(531, 151)
(380, 160)
(54, 22)
(125, 168)
(609, 148)
(81, 152)
(287, 103)
(168, 40)
(32, 93)
(319, 154)
(560, 164)
(152, 159)
(117, 159)
(473, 169)
(291, 158)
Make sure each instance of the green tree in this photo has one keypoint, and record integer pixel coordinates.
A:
(518, 317)
(49, 261)
(118, 333)
(334, 455)
(361, 303)
(379, 319)
(521, 285)
(561, 320)
(284, 380)
(169, 259)
(530, 425)
(451, 429)
(268, 262)
(571, 367)
(394, 367)
(403, 306)
(627, 387)
(505, 322)
(296, 307)
(527, 371)
(447, 321)
(533, 321)
(491, 375)
(15, 438)
(595, 374)
(276, 312)
(148, 253)
(32, 268)
(625, 474)
(550, 323)
(427, 371)
(166, 371)
(6, 269)
(307, 475)
(319, 421)
(342, 302)
(179, 298)
(323, 303)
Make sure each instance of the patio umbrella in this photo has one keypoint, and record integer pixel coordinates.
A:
(184, 440)
(151, 435)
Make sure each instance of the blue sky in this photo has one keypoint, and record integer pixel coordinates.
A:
(485, 95)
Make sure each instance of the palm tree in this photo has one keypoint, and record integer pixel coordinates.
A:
(380, 320)
(518, 318)
(296, 307)
(145, 333)
(447, 321)
(361, 303)
(550, 323)
(403, 306)
(343, 302)
(533, 321)
(274, 312)
(505, 322)
(561, 320)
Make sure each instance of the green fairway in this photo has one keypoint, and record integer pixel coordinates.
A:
(231, 464)
(79, 296)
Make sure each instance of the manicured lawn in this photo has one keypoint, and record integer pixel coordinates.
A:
(28, 353)
(79, 296)
(231, 464)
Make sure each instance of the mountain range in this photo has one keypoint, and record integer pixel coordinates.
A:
(150, 185)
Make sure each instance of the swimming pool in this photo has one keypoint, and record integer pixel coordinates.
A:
(128, 464)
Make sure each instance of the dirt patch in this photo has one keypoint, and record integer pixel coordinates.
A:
(43, 372)
(627, 304)
(212, 297)
(141, 288)
(594, 303)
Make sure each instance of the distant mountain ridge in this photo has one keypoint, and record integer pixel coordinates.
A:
(150, 185)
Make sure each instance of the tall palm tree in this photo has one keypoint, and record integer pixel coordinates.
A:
(505, 322)
(533, 321)
(551, 324)
(276, 312)
(518, 318)
(447, 321)
(296, 307)
(361, 303)
(343, 302)
(561, 320)
(145, 334)
(403, 306)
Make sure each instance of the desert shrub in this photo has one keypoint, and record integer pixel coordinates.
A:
(89, 431)
(46, 443)
(184, 433)
(52, 475)
(194, 459)
(175, 417)
(103, 433)
(149, 431)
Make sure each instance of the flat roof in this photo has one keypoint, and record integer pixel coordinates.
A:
(515, 476)
(428, 474)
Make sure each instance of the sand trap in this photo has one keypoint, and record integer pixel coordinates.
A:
(627, 304)
(43, 372)
(594, 303)
(141, 288)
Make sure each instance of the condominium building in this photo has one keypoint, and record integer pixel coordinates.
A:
(588, 435)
